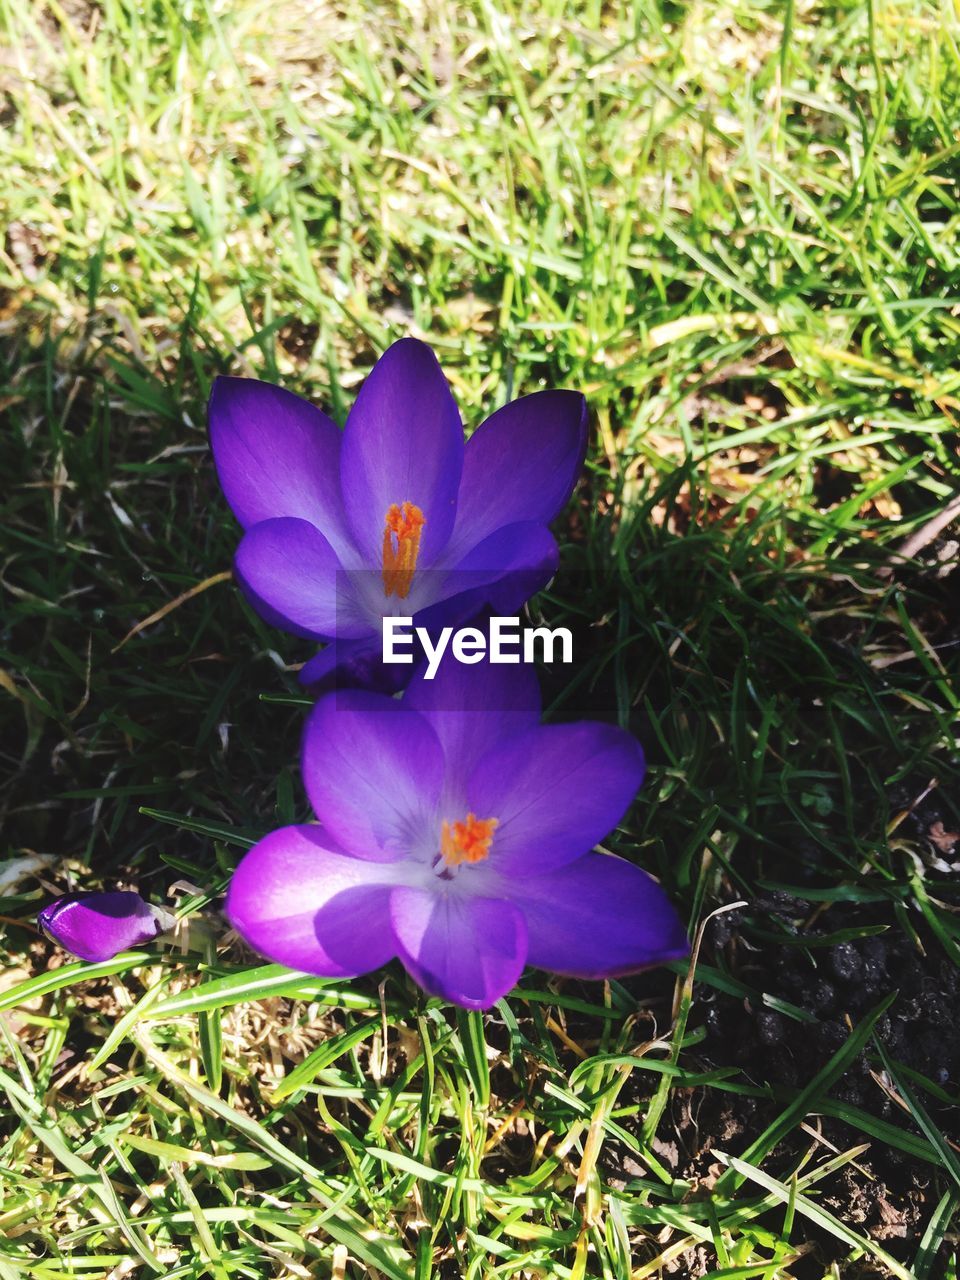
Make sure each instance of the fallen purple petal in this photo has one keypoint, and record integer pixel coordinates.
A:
(97, 926)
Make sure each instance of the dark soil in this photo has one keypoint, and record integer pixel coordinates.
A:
(892, 1194)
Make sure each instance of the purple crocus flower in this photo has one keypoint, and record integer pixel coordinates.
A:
(96, 926)
(455, 833)
(394, 515)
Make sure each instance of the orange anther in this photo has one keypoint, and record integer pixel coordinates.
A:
(401, 545)
(467, 841)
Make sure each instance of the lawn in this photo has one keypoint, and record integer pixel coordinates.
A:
(734, 228)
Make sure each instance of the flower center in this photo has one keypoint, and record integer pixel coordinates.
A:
(401, 545)
(467, 841)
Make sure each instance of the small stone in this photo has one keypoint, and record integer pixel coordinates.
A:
(846, 963)
(770, 1027)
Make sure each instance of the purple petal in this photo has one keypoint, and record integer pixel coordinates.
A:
(276, 455)
(353, 664)
(472, 708)
(96, 926)
(465, 949)
(504, 570)
(403, 442)
(598, 917)
(373, 771)
(521, 465)
(301, 903)
(555, 791)
(293, 578)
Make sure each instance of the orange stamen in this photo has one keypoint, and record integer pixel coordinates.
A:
(467, 841)
(401, 546)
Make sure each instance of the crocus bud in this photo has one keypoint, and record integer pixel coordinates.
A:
(96, 926)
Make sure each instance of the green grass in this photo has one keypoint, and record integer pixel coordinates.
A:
(735, 228)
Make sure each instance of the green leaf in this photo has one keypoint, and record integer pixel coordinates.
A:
(323, 1056)
(473, 1040)
(947, 1155)
(257, 984)
(70, 974)
(934, 1233)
